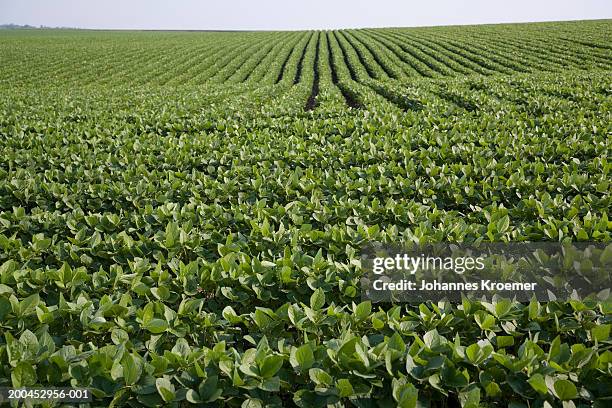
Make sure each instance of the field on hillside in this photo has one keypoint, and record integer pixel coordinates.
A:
(182, 213)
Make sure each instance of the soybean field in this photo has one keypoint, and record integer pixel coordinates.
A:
(182, 213)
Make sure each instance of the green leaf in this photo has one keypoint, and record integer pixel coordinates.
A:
(230, 315)
(252, 403)
(405, 394)
(472, 352)
(28, 305)
(182, 348)
(161, 293)
(208, 390)
(317, 300)
(132, 369)
(601, 332)
(362, 354)
(23, 375)
(538, 383)
(302, 357)
(492, 389)
(484, 320)
(262, 319)
(172, 235)
(270, 366)
(503, 224)
(29, 342)
(116, 372)
(433, 340)
(345, 389)
(165, 389)
(156, 326)
(396, 342)
(270, 384)
(565, 390)
(117, 398)
(320, 377)
(363, 310)
(7, 269)
(504, 341)
(534, 308)
(193, 397)
(5, 290)
(119, 336)
(471, 398)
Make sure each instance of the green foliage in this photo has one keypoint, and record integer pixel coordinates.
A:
(176, 228)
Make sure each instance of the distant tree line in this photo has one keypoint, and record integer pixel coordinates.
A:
(27, 26)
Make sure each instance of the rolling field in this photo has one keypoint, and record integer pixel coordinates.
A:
(182, 213)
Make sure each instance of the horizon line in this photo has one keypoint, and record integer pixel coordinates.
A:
(43, 27)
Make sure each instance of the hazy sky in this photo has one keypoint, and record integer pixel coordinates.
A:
(286, 14)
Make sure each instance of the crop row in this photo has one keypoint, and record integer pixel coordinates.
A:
(188, 58)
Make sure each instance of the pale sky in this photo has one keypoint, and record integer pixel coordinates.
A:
(291, 15)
